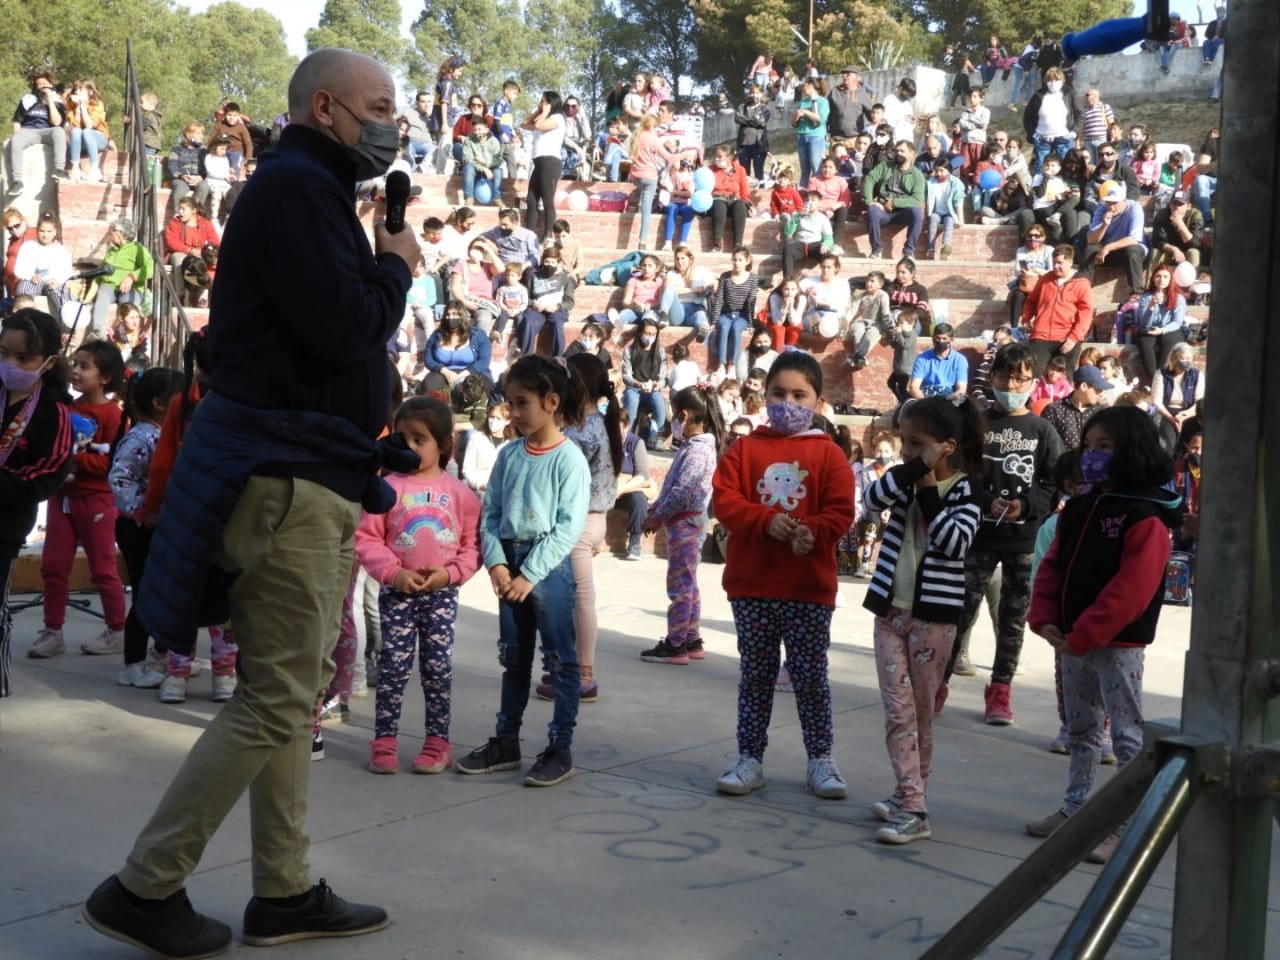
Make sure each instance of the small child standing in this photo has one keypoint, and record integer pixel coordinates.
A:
(218, 174)
(917, 592)
(1099, 592)
(147, 397)
(885, 446)
(81, 512)
(682, 509)
(905, 341)
(534, 511)
(513, 300)
(421, 552)
(785, 494)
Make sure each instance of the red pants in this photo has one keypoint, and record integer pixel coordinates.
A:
(90, 522)
(784, 335)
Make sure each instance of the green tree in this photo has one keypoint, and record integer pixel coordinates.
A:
(971, 22)
(613, 44)
(668, 28)
(242, 55)
(491, 39)
(370, 27)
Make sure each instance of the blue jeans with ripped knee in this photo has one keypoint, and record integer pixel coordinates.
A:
(547, 613)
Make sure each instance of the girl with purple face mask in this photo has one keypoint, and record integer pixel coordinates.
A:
(1098, 595)
(35, 440)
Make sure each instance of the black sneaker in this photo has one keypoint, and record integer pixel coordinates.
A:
(169, 928)
(317, 744)
(554, 765)
(694, 648)
(500, 753)
(321, 913)
(665, 652)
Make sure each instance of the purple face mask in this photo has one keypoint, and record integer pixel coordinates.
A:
(1095, 466)
(789, 418)
(18, 380)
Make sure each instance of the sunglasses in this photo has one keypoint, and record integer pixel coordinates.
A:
(1035, 236)
(1106, 154)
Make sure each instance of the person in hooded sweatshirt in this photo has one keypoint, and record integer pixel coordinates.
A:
(1099, 591)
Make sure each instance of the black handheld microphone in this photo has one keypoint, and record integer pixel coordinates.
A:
(397, 192)
(93, 273)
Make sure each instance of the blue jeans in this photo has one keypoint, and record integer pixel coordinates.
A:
(1059, 145)
(547, 613)
(1202, 188)
(631, 398)
(680, 313)
(948, 224)
(878, 218)
(1165, 53)
(730, 326)
(469, 179)
(648, 190)
(752, 159)
(1021, 85)
(91, 141)
(677, 210)
(811, 150)
(613, 158)
(1209, 49)
(420, 152)
(627, 316)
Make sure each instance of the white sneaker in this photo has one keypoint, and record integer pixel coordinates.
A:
(823, 779)
(173, 690)
(224, 685)
(745, 775)
(49, 643)
(106, 643)
(142, 674)
(95, 176)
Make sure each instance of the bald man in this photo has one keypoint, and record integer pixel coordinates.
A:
(298, 391)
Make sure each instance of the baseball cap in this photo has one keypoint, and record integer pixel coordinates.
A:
(1179, 196)
(1113, 192)
(848, 69)
(1086, 373)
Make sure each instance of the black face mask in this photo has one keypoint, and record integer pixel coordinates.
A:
(547, 269)
(506, 231)
(942, 346)
(1193, 459)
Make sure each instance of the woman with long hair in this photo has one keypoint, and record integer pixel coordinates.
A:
(548, 126)
(87, 129)
(1158, 319)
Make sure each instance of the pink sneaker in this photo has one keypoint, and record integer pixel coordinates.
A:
(384, 758)
(436, 756)
(999, 699)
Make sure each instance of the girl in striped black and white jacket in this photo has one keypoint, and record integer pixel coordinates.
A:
(917, 591)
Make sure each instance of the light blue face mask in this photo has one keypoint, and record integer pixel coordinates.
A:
(603, 405)
(1010, 400)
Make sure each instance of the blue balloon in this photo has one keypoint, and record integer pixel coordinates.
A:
(990, 179)
(701, 201)
(484, 192)
(704, 180)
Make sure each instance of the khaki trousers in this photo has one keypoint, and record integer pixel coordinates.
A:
(290, 543)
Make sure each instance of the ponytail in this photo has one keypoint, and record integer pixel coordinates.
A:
(703, 406)
(595, 379)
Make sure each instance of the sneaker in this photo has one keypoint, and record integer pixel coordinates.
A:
(875, 254)
(940, 699)
(999, 697)
(823, 779)
(906, 827)
(633, 549)
(887, 810)
(436, 756)
(1043, 828)
(335, 711)
(695, 649)
(783, 684)
(863, 572)
(857, 363)
(317, 744)
(360, 688)
(946, 251)
(142, 674)
(1108, 751)
(49, 643)
(321, 913)
(746, 774)
(588, 690)
(553, 765)
(224, 685)
(383, 757)
(1061, 743)
(665, 652)
(173, 689)
(500, 753)
(964, 666)
(107, 642)
(1103, 851)
(168, 928)
(701, 333)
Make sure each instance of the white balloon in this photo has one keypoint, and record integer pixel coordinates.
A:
(828, 325)
(578, 200)
(1184, 275)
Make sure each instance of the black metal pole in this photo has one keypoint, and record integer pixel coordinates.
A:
(1154, 826)
(1049, 863)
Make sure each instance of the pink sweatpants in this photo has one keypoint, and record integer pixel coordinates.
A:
(911, 656)
(88, 521)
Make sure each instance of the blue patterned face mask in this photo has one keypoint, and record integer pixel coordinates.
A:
(789, 418)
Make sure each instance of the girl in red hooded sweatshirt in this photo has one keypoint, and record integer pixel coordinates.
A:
(785, 494)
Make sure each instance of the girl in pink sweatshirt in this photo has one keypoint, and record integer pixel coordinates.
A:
(421, 551)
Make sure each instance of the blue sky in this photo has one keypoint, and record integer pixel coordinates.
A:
(299, 16)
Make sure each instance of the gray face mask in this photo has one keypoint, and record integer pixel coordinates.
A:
(375, 151)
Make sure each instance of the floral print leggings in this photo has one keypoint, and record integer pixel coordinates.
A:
(911, 656)
(764, 626)
(684, 550)
(223, 653)
(424, 620)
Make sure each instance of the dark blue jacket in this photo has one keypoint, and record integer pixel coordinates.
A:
(225, 444)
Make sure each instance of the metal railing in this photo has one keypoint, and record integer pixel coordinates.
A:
(169, 324)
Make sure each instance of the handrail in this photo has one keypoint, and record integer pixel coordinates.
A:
(169, 324)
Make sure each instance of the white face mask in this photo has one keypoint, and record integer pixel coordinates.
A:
(476, 256)
(496, 427)
(589, 345)
(1055, 86)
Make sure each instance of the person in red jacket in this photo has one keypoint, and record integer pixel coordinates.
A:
(16, 233)
(1059, 311)
(1098, 594)
(731, 199)
(82, 512)
(187, 233)
(785, 494)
